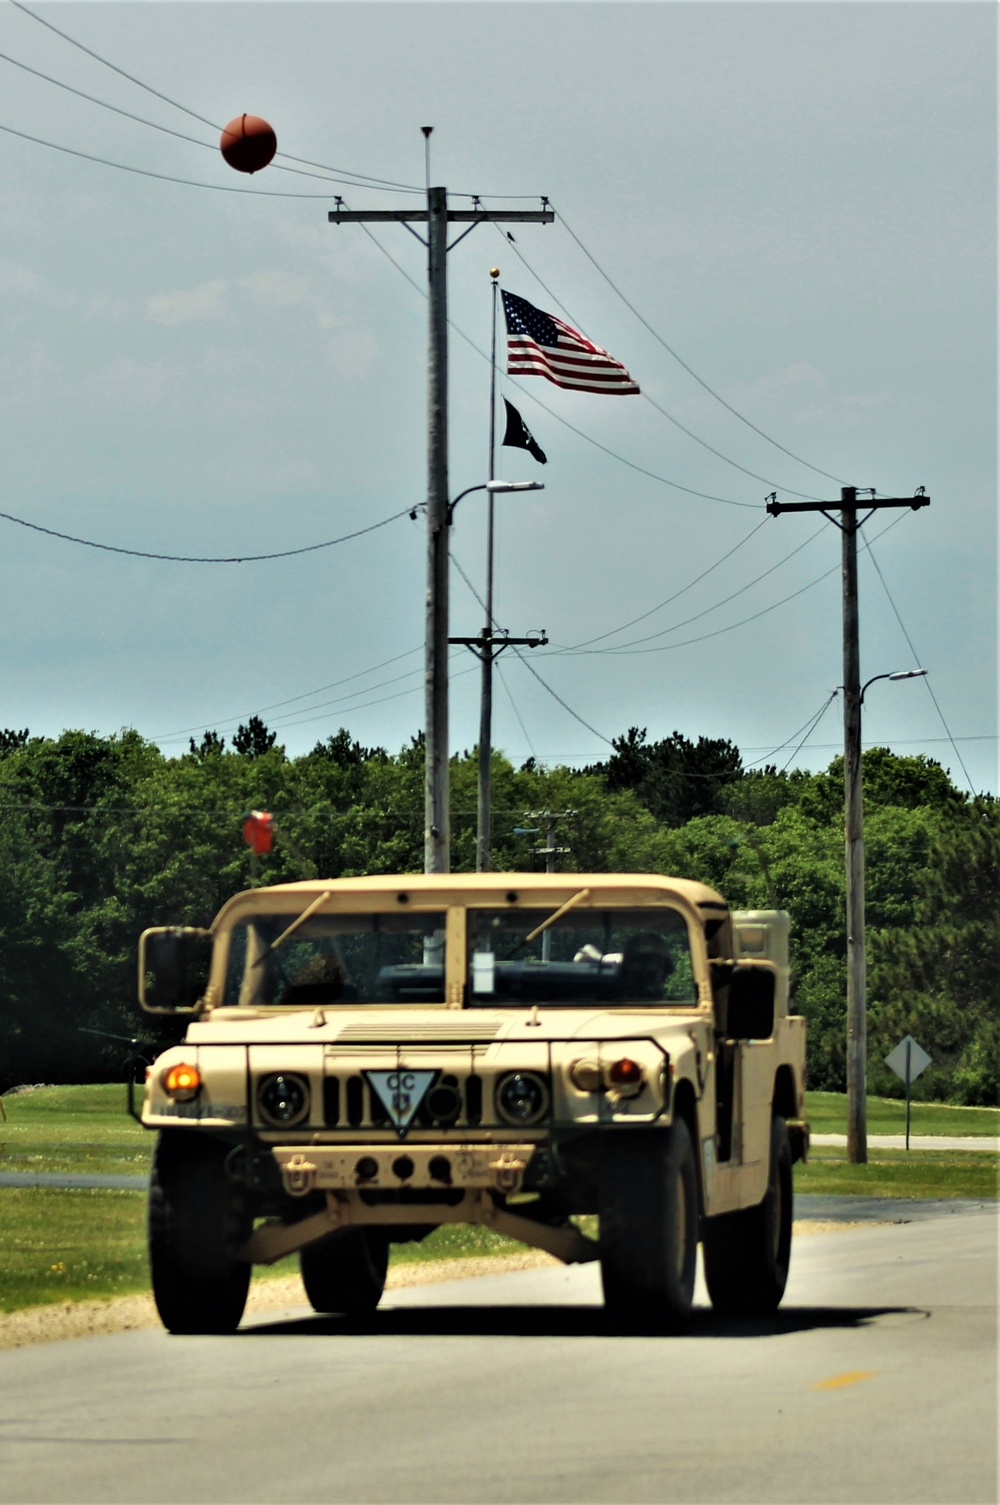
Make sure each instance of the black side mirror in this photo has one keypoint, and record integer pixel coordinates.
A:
(751, 1004)
(173, 969)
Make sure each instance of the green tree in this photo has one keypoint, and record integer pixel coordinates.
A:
(677, 780)
(253, 740)
(937, 977)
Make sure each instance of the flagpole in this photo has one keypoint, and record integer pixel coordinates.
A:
(483, 824)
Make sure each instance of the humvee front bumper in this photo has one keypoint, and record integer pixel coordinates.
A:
(393, 1167)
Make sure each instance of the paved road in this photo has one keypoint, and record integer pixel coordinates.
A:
(918, 1141)
(73, 1180)
(877, 1381)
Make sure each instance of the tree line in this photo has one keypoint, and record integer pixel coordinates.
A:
(101, 837)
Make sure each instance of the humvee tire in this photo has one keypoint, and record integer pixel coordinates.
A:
(346, 1272)
(747, 1253)
(195, 1219)
(649, 1228)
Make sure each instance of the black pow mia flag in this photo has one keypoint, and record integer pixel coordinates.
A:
(518, 435)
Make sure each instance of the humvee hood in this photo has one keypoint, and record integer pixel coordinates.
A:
(379, 1026)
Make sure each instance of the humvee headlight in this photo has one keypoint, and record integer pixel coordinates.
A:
(522, 1097)
(182, 1082)
(283, 1099)
(586, 1076)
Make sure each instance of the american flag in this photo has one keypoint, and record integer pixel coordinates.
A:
(539, 344)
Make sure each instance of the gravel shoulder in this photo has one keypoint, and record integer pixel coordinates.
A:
(89, 1319)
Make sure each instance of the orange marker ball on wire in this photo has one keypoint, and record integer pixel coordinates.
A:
(248, 143)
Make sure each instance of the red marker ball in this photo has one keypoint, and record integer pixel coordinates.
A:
(248, 143)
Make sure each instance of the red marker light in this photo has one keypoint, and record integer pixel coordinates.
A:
(625, 1073)
(258, 832)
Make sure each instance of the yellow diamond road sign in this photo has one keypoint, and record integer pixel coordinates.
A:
(908, 1060)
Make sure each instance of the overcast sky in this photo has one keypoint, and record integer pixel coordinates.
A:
(798, 199)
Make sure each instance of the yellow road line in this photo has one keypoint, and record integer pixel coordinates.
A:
(838, 1381)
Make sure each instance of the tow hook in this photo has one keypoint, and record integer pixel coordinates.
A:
(508, 1171)
(300, 1175)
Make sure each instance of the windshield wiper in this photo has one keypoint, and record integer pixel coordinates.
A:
(550, 920)
(300, 919)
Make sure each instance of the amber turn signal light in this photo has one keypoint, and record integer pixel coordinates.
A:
(182, 1082)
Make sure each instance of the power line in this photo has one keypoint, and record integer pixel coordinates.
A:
(111, 548)
(104, 104)
(577, 647)
(625, 650)
(305, 715)
(212, 146)
(622, 647)
(691, 372)
(916, 659)
(162, 177)
(272, 193)
(521, 658)
(175, 104)
(114, 66)
(662, 410)
(589, 439)
(905, 742)
(806, 728)
(261, 710)
(361, 179)
(517, 713)
(546, 686)
(811, 728)
(286, 718)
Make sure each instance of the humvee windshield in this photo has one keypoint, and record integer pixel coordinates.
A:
(606, 956)
(330, 959)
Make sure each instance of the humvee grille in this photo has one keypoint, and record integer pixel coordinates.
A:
(349, 1102)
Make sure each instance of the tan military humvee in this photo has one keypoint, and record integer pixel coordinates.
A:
(369, 1058)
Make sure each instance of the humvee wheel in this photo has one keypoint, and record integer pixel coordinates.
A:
(649, 1228)
(195, 1219)
(747, 1253)
(346, 1272)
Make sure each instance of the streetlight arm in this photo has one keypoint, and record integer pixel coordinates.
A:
(452, 505)
(495, 488)
(898, 674)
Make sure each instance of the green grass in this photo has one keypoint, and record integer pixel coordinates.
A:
(827, 1114)
(60, 1245)
(84, 1129)
(901, 1173)
(70, 1245)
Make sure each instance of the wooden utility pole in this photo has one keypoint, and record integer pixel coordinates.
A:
(854, 845)
(437, 217)
(488, 647)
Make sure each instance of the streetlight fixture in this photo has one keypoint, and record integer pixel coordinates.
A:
(899, 674)
(488, 646)
(857, 1020)
(495, 488)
